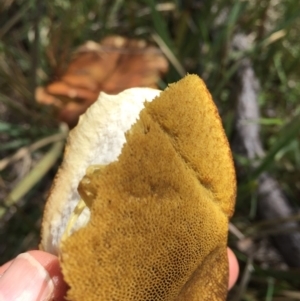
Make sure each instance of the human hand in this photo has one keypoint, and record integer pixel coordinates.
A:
(36, 276)
(32, 276)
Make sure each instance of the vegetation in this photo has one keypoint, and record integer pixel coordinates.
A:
(36, 40)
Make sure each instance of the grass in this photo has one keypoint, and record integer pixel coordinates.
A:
(36, 39)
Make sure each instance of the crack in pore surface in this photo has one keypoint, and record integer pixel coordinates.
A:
(192, 274)
(188, 164)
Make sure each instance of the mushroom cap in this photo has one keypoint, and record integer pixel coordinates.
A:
(158, 210)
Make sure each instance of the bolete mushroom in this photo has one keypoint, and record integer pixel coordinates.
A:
(156, 189)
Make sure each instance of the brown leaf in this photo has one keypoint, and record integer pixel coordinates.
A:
(111, 66)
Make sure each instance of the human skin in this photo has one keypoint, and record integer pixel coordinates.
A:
(36, 275)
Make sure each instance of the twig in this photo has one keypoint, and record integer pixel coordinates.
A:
(295, 295)
(26, 150)
(236, 232)
(33, 177)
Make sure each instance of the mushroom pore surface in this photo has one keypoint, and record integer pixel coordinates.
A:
(159, 213)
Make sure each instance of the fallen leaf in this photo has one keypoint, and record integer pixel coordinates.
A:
(111, 66)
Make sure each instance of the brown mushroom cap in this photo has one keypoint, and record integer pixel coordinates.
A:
(159, 213)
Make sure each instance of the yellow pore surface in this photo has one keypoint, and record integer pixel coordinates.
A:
(159, 215)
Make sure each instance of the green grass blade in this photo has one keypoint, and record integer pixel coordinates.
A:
(33, 177)
(287, 134)
(160, 25)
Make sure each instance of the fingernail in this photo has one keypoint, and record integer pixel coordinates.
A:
(26, 280)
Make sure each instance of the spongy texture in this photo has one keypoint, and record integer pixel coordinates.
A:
(159, 214)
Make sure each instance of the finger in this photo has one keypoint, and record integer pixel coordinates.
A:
(4, 267)
(36, 276)
(33, 276)
(233, 268)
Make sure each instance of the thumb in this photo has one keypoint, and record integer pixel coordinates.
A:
(32, 276)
